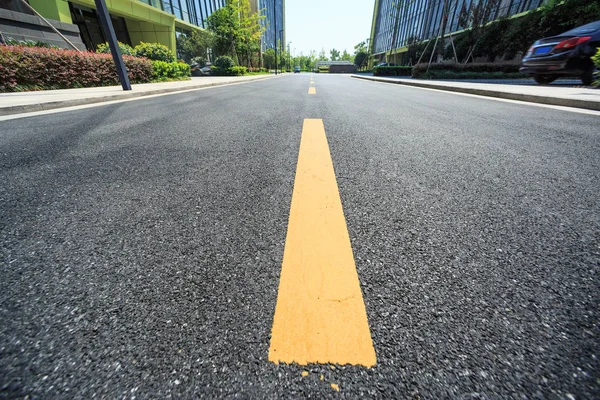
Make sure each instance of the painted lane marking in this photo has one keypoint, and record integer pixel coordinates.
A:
(312, 90)
(320, 315)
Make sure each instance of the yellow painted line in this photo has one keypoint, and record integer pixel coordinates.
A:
(312, 82)
(312, 90)
(320, 315)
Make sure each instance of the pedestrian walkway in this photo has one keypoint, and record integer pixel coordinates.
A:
(22, 102)
(579, 97)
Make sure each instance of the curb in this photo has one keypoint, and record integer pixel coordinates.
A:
(11, 110)
(554, 101)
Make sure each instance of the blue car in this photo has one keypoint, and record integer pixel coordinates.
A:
(568, 54)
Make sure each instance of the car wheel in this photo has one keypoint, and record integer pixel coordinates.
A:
(587, 78)
(544, 79)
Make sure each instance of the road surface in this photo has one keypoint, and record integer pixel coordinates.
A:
(142, 246)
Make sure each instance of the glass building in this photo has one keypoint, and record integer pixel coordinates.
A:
(395, 22)
(193, 11)
(273, 14)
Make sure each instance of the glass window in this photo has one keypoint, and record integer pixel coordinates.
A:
(167, 6)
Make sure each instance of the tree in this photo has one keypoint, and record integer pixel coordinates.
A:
(475, 17)
(323, 56)
(237, 30)
(269, 58)
(347, 56)
(361, 54)
(362, 46)
(195, 45)
(335, 54)
(250, 31)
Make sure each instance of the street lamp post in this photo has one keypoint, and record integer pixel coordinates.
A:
(281, 46)
(275, 19)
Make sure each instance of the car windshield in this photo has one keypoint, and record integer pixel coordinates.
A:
(582, 30)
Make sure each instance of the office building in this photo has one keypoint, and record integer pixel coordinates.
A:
(135, 21)
(273, 22)
(395, 22)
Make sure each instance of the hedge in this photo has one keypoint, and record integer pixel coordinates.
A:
(36, 68)
(126, 49)
(392, 71)
(435, 70)
(231, 71)
(154, 51)
(163, 71)
(596, 59)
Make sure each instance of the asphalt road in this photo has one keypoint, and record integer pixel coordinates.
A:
(141, 244)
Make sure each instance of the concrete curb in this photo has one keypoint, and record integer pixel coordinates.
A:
(11, 110)
(554, 101)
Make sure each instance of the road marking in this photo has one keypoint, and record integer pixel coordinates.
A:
(312, 90)
(320, 315)
(312, 82)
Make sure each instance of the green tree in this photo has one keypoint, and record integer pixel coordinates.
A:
(335, 54)
(250, 33)
(269, 59)
(237, 30)
(361, 54)
(323, 56)
(197, 44)
(347, 56)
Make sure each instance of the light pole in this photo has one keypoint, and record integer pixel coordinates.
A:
(275, 19)
(281, 46)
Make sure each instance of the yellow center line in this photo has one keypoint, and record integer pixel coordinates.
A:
(320, 315)
(312, 90)
(312, 82)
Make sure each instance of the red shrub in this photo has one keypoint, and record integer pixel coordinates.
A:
(42, 68)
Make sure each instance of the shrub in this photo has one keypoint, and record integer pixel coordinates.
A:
(436, 70)
(31, 68)
(126, 49)
(232, 71)
(200, 60)
(596, 60)
(154, 52)
(392, 71)
(29, 43)
(238, 71)
(162, 70)
(224, 62)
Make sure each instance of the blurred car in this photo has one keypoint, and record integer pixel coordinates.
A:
(296, 69)
(567, 54)
(386, 64)
(198, 70)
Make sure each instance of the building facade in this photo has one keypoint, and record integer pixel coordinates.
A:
(135, 21)
(396, 22)
(273, 23)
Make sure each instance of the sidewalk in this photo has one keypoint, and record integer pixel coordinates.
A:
(23, 102)
(553, 95)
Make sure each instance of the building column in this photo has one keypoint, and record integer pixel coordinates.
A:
(57, 10)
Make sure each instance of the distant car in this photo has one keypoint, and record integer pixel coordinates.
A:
(197, 70)
(386, 64)
(296, 69)
(568, 54)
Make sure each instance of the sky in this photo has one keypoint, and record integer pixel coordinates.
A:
(317, 24)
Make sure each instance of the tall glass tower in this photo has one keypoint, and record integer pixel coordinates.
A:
(274, 23)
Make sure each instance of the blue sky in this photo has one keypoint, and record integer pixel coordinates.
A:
(317, 24)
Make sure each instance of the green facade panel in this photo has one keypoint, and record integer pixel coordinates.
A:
(57, 10)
